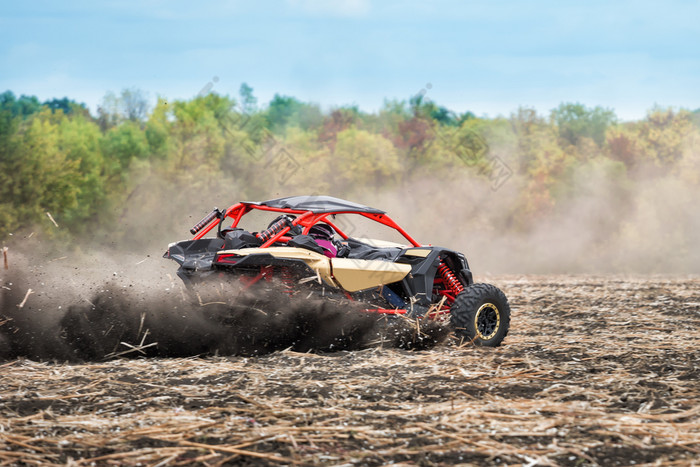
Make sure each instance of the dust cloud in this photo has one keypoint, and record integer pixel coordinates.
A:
(603, 226)
(98, 308)
(600, 219)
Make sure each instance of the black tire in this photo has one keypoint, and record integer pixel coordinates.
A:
(481, 314)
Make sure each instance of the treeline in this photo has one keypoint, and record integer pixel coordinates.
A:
(86, 170)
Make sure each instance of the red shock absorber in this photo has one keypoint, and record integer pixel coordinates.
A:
(287, 280)
(268, 233)
(450, 279)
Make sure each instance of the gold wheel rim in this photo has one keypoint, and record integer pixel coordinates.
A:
(484, 332)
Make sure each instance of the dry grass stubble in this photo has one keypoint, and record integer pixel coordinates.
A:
(596, 370)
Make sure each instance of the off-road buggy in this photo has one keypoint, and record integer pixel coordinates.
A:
(312, 247)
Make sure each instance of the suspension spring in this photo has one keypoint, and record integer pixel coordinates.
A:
(450, 279)
(267, 234)
(287, 280)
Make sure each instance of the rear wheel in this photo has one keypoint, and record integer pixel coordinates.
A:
(481, 314)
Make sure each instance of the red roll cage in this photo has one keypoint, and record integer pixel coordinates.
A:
(448, 284)
(305, 218)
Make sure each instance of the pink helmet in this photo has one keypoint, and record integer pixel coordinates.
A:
(323, 234)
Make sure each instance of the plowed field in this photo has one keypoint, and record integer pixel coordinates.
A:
(595, 371)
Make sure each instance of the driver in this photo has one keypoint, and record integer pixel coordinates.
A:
(323, 233)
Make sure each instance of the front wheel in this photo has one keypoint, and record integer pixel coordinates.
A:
(481, 314)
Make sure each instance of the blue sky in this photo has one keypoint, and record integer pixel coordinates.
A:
(486, 57)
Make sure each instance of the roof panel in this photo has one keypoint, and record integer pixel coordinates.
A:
(317, 204)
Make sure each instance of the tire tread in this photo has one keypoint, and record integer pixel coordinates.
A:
(468, 302)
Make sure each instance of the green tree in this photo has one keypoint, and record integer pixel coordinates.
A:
(444, 116)
(576, 121)
(22, 107)
(362, 158)
(43, 179)
(124, 143)
(288, 111)
(248, 100)
(158, 130)
(198, 133)
(665, 131)
(8, 151)
(67, 106)
(79, 138)
(540, 161)
(660, 139)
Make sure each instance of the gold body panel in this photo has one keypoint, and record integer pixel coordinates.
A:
(360, 274)
(347, 273)
(419, 252)
(317, 262)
